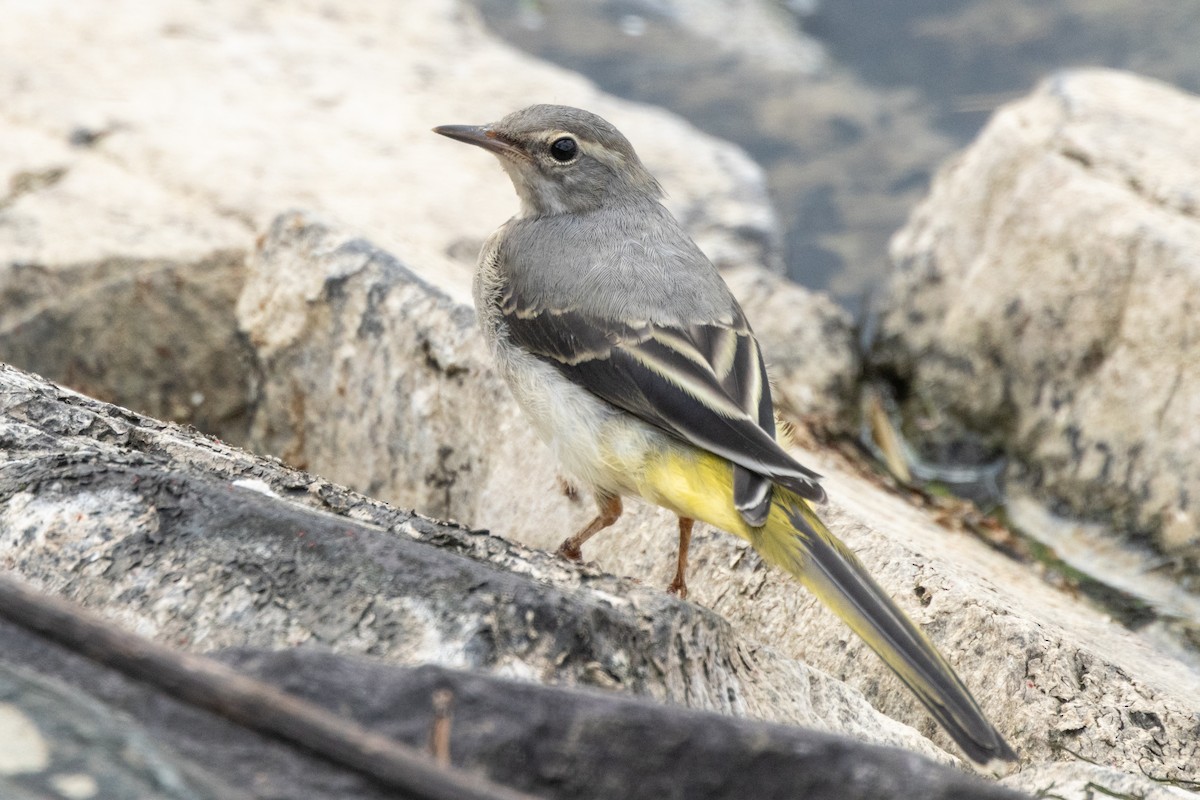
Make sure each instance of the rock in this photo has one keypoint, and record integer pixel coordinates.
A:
(354, 323)
(182, 538)
(1045, 301)
(60, 742)
(766, 32)
(552, 742)
(337, 117)
(392, 418)
(64, 205)
(1079, 779)
(587, 744)
(119, 286)
(157, 334)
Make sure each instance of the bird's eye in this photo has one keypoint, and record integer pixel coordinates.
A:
(563, 149)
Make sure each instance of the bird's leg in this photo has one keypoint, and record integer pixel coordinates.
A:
(679, 585)
(610, 512)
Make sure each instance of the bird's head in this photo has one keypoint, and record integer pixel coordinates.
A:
(561, 159)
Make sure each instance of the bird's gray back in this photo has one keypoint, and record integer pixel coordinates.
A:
(623, 262)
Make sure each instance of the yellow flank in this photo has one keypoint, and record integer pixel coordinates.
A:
(695, 484)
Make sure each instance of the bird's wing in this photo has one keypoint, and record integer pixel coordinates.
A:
(745, 380)
(704, 383)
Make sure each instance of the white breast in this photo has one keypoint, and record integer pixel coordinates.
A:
(599, 446)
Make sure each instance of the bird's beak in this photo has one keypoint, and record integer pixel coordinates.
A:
(481, 136)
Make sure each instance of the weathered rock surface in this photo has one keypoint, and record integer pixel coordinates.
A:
(67, 201)
(61, 742)
(553, 743)
(1056, 676)
(117, 285)
(180, 537)
(254, 107)
(1088, 781)
(1046, 299)
(364, 365)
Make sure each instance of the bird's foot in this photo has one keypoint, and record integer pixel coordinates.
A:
(570, 551)
(678, 588)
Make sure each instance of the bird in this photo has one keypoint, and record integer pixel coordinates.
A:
(633, 361)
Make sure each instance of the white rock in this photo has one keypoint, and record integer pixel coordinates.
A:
(1047, 296)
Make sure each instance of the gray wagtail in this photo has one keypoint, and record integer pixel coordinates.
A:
(632, 359)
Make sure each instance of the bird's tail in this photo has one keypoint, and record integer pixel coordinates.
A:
(796, 540)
